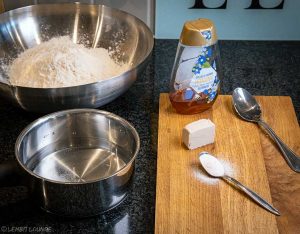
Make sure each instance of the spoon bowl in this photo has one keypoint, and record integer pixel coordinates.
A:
(245, 105)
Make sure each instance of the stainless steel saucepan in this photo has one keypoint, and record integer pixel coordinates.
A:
(77, 162)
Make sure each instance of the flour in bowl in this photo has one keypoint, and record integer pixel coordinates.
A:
(61, 63)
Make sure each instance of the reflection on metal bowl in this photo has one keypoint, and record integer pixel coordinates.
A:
(91, 25)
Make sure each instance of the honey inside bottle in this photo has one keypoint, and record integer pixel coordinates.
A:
(188, 102)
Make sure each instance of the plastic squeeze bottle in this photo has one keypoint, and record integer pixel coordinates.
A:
(195, 78)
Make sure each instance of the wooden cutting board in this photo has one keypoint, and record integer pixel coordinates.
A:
(186, 203)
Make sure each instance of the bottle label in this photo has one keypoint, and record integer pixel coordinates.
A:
(197, 71)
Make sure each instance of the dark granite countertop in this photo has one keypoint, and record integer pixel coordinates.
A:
(263, 68)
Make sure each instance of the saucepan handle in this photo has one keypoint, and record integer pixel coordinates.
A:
(11, 174)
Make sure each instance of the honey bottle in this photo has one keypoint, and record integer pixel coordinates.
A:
(195, 77)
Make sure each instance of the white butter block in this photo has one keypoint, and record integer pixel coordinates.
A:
(198, 133)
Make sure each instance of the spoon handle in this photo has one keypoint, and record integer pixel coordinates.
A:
(292, 159)
(258, 199)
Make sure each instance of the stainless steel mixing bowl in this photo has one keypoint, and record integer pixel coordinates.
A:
(92, 25)
(77, 162)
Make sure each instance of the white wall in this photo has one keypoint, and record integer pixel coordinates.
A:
(235, 22)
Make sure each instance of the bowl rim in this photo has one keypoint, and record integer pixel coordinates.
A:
(76, 4)
(45, 118)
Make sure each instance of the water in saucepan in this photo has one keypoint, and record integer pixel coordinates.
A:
(77, 164)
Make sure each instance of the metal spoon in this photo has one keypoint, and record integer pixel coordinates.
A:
(248, 109)
(213, 167)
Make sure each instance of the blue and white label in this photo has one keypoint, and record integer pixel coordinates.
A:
(197, 71)
(204, 80)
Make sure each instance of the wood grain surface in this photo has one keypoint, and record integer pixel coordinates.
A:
(1, 6)
(186, 203)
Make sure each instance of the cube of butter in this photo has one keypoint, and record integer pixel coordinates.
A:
(198, 133)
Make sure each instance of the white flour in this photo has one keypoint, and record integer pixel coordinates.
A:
(61, 63)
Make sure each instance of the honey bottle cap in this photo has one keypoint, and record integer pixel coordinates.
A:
(200, 32)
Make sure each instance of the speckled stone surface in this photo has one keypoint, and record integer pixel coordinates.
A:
(263, 68)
